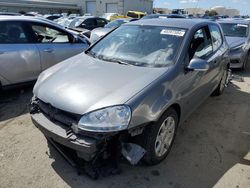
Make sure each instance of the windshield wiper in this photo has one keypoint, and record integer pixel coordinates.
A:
(114, 60)
(90, 53)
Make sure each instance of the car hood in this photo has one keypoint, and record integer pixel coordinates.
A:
(235, 41)
(82, 83)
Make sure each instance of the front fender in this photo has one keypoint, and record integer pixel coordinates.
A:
(148, 105)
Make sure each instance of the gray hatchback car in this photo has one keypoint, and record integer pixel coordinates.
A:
(129, 91)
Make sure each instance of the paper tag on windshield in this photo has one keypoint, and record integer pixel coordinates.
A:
(172, 32)
(242, 25)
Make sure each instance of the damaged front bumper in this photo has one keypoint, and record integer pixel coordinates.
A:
(85, 147)
(90, 147)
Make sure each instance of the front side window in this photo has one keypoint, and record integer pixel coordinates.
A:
(235, 30)
(140, 45)
(201, 44)
(45, 34)
(216, 37)
(12, 33)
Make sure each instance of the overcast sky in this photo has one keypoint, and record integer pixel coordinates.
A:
(242, 5)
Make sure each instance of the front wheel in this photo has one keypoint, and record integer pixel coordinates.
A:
(158, 138)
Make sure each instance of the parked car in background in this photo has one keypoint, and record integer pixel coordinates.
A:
(152, 16)
(130, 90)
(238, 38)
(108, 16)
(64, 21)
(136, 14)
(85, 24)
(88, 22)
(29, 45)
(100, 32)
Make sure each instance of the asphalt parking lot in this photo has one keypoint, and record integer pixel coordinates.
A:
(212, 148)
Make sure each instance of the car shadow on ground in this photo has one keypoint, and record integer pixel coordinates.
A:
(14, 102)
(212, 142)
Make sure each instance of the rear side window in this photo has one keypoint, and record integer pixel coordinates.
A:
(12, 33)
(216, 37)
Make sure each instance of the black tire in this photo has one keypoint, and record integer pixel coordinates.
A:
(220, 88)
(150, 134)
(244, 66)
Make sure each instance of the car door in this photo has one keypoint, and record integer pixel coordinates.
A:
(55, 44)
(19, 58)
(194, 85)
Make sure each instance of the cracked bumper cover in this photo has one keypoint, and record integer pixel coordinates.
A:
(87, 146)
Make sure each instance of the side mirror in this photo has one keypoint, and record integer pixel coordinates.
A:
(197, 64)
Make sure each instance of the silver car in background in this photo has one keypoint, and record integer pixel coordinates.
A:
(29, 45)
(238, 37)
(100, 32)
(131, 89)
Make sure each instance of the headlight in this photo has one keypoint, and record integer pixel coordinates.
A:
(114, 118)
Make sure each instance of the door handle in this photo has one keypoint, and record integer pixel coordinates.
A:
(48, 50)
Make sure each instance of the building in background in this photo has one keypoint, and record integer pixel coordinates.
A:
(94, 7)
(195, 11)
(41, 6)
(224, 11)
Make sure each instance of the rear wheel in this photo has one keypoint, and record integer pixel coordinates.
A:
(158, 138)
(244, 66)
(219, 90)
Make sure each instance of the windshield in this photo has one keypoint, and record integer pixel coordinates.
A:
(140, 45)
(76, 22)
(116, 23)
(234, 29)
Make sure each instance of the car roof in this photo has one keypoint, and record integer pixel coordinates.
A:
(21, 18)
(237, 21)
(173, 22)
(29, 18)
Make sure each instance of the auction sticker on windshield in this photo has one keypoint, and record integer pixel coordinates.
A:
(173, 32)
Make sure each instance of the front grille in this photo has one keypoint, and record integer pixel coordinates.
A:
(57, 115)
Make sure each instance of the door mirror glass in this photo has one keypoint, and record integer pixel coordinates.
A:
(198, 64)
